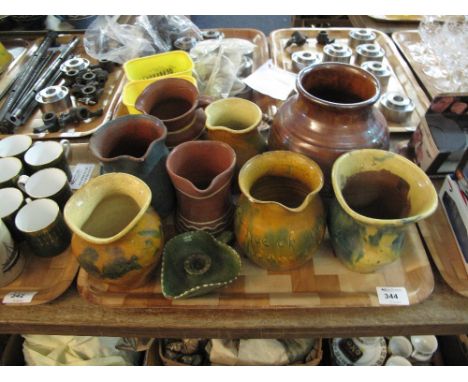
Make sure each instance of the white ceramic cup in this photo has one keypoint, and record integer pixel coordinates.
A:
(401, 346)
(15, 145)
(424, 347)
(10, 169)
(11, 260)
(396, 360)
(11, 200)
(47, 183)
(45, 154)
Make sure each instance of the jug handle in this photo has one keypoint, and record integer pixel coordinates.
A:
(204, 101)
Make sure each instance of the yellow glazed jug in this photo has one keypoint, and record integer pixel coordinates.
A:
(378, 193)
(280, 219)
(235, 121)
(117, 236)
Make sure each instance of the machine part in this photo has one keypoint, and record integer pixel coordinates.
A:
(87, 77)
(107, 65)
(51, 121)
(297, 38)
(396, 107)
(54, 99)
(212, 34)
(75, 64)
(20, 112)
(185, 43)
(302, 59)
(324, 39)
(245, 68)
(87, 101)
(337, 53)
(369, 52)
(361, 36)
(380, 70)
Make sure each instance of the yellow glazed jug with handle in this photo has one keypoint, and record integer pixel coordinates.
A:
(378, 193)
(117, 236)
(280, 219)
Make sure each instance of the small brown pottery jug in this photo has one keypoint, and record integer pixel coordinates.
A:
(201, 172)
(178, 104)
(331, 114)
(135, 144)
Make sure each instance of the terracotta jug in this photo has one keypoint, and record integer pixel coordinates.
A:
(332, 113)
(378, 193)
(201, 172)
(280, 219)
(235, 121)
(135, 144)
(178, 104)
(117, 236)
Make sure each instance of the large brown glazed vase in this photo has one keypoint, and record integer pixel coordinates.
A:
(201, 172)
(331, 114)
(178, 104)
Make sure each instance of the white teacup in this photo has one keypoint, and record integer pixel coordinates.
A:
(396, 360)
(15, 145)
(10, 170)
(11, 200)
(401, 346)
(11, 260)
(45, 154)
(424, 347)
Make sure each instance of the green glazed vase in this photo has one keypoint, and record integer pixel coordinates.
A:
(195, 263)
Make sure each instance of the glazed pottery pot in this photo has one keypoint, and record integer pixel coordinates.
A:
(195, 263)
(178, 104)
(235, 121)
(135, 144)
(378, 193)
(11, 260)
(117, 237)
(201, 172)
(332, 113)
(280, 219)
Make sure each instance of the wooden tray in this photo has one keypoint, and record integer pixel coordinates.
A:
(403, 40)
(402, 79)
(108, 99)
(322, 283)
(442, 245)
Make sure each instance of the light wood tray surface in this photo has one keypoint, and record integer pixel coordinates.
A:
(107, 101)
(402, 79)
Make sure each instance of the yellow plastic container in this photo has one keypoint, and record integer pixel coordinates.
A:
(172, 63)
(5, 58)
(133, 89)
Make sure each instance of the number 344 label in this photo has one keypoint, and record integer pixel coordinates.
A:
(392, 296)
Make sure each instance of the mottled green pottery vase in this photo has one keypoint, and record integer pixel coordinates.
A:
(377, 195)
(195, 263)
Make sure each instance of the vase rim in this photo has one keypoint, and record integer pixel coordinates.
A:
(115, 123)
(412, 218)
(328, 65)
(245, 188)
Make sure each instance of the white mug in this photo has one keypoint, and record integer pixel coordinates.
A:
(15, 145)
(11, 200)
(11, 260)
(424, 347)
(401, 346)
(45, 154)
(10, 170)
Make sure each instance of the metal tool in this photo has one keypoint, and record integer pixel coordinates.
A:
(361, 36)
(54, 99)
(369, 52)
(324, 39)
(76, 64)
(297, 38)
(380, 70)
(303, 58)
(185, 43)
(337, 53)
(212, 35)
(396, 107)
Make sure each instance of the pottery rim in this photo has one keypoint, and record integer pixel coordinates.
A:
(160, 83)
(211, 285)
(110, 124)
(380, 156)
(343, 66)
(209, 189)
(76, 202)
(229, 101)
(271, 156)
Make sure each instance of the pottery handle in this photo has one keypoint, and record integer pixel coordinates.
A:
(204, 101)
(66, 147)
(21, 183)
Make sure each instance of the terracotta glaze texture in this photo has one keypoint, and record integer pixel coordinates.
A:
(280, 219)
(331, 114)
(117, 236)
(202, 172)
(378, 194)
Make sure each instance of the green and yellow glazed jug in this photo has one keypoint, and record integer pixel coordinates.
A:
(377, 194)
(280, 219)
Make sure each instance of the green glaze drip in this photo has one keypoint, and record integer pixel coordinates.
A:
(87, 259)
(119, 267)
(151, 233)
